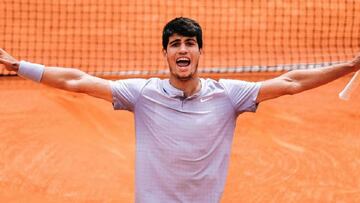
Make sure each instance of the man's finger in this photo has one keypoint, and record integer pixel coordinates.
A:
(5, 62)
(3, 53)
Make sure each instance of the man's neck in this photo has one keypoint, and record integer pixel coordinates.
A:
(189, 87)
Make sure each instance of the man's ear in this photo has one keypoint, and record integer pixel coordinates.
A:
(164, 52)
(201, 50)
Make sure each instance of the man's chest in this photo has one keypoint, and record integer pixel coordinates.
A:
(198, 114)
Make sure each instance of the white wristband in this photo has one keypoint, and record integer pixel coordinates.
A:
(31, 71)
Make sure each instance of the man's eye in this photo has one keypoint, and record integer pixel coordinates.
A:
(175, 44)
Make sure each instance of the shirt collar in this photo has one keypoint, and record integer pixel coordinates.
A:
(174, 92)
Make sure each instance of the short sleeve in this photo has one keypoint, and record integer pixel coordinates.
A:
(242, 94)
(126, 92)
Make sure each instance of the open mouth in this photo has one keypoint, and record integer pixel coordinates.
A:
(183, 62)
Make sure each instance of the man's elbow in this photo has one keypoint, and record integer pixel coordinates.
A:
(76, 84)
(293, 87)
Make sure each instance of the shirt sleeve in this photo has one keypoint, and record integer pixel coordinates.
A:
(242, 94)
(126, 92)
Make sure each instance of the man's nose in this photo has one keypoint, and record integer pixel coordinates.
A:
(183, 49)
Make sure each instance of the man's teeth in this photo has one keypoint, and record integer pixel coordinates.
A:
(182, 60)
(183, 63)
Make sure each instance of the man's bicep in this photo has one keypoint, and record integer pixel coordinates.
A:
(274, 88)
(75, 80)
(96, 87)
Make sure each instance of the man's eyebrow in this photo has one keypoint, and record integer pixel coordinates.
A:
(190, 39)
(187, 40)
(176, 40)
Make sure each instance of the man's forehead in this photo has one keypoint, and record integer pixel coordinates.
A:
(175, 37)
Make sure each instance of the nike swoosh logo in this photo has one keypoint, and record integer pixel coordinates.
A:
(205, 99)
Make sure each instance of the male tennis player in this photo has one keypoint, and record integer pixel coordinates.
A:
(184, 124)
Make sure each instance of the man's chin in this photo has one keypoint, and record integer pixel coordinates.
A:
(184, 77)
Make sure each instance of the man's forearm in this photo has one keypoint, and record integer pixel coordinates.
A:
(308, 79)
(63, 78)
(75, 80)
(69, 79)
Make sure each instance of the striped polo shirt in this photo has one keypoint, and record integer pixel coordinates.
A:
(183, 143)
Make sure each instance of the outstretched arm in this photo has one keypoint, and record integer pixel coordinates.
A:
(69, 79)
(297, 81)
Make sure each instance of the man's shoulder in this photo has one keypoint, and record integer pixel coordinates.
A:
(212, 83)
(137, 81)
(152, 83)
(230, 85)
(219, 81)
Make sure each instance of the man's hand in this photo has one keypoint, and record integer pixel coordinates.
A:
(355, 62)
(9, 62)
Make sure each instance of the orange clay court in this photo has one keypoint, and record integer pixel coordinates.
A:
(64, 147)
(58, 147)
